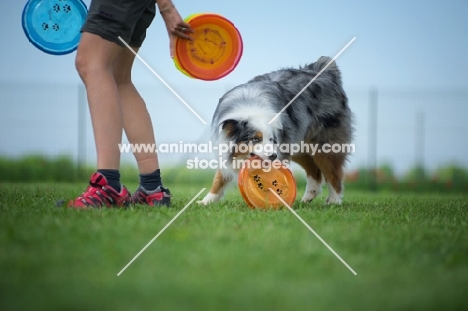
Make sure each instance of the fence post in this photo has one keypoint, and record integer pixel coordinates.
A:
(372, 157)
(420, 126)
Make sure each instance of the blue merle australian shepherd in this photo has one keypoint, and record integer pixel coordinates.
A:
(320, 115)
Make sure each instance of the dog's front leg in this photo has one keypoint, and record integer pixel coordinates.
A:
(220, 182)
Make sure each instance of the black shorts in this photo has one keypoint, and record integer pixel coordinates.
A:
(128, 19)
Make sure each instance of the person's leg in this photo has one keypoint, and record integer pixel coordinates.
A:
(139, 130)
(136, 119)
(95, 62)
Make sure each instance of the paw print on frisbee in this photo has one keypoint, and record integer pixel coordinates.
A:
(255, 182)
(215, 50)
(53, 26)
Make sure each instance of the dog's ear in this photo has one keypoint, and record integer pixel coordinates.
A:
(229, 127)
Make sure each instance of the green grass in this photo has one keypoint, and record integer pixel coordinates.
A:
(410, 252)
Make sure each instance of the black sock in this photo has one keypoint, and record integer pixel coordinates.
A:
(113, 178)
(151, 181)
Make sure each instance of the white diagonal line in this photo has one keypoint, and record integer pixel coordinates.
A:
(160, 232)
(313, 79)
(312, 230)
(162, 80)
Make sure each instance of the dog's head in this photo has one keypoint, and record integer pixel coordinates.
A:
(244, 120)
(250, 137)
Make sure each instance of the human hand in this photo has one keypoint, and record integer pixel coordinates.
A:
(175, 26)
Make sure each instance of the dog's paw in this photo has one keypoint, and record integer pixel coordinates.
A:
(313, 190)
(333, 196)
(209, 198)
(333, 200)
(309, 196)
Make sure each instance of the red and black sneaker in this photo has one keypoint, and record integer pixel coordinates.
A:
(158, 197)
(99, 194)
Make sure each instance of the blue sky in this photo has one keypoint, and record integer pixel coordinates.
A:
(413, 52)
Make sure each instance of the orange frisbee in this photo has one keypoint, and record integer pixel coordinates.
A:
(176, 60)
(255, 182)
(177, 64)
(215, 50)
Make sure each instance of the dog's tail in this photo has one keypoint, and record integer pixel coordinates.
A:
(322, 63)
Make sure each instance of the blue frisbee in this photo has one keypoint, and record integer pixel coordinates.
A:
(53, 26)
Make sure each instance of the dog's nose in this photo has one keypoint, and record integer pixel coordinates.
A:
(273, 157)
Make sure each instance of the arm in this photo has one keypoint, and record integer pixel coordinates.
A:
(164, 5)
(175, 26)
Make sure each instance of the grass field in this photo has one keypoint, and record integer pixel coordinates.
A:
(410, 252)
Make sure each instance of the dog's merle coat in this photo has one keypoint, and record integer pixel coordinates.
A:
(319, 115)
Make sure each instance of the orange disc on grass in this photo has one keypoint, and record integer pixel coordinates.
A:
(215, 50)
(255, 181)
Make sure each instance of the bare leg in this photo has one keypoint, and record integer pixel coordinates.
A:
(95, 62)
(136, 119)
(313, 175)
